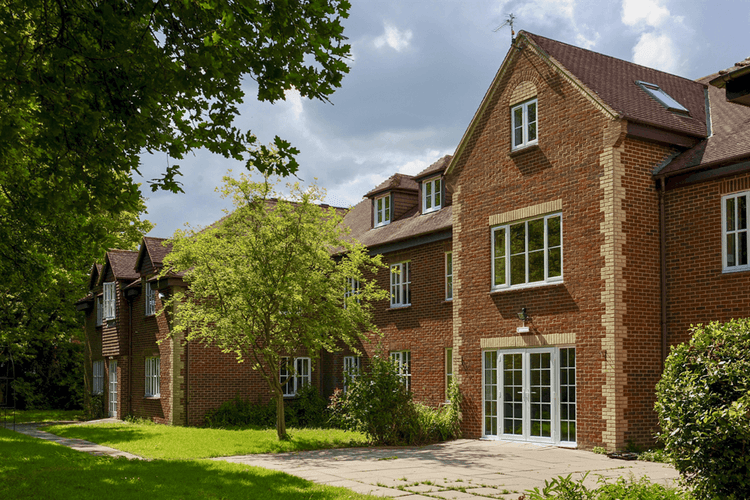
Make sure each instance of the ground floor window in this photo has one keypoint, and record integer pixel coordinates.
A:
(402, 360)
(294, 374)
(448, 369)
(153, 377)
(529, 394)
(351, 368)
(98, 381)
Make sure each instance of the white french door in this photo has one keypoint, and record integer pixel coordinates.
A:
(529, 394)
(113, 388)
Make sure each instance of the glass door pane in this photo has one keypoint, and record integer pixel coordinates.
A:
(540, 394)
(513, 394)
(490, 393)
(113, 388)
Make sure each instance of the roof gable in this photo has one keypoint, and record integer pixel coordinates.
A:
(96, 270)
(401, 182)
(152, 253)
(121, 263)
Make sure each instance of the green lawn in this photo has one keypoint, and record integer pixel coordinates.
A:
(173, 442)
(23, 416)
(33, 468)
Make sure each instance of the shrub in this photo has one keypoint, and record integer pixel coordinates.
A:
(703, 402)
(95, 407)
(565, 488)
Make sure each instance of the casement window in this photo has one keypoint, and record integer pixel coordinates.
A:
(352, 366)
(352, 289)
(382, 210)
(400, 285)
(431, 195)
(153, 377)
(149, 295)
(99, 310)
(734, 211)
(523, 126)
(448, 369)
(98, 379)
(402, 361)
(109, 300)
(294, 374)
(527, 252)
(448, 275)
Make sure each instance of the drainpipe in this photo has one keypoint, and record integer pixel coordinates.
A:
(663, 269)
(130, 355)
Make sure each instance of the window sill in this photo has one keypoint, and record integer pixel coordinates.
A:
(381, 225)
(524, 149)
(152, 397)
(735, 269)
(398, 308)
(431, 210)
(525, 287)
(448, 301)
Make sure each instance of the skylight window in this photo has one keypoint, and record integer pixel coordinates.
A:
(664, 99)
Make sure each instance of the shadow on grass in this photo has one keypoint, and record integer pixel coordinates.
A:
(32, 468)
(24, 416)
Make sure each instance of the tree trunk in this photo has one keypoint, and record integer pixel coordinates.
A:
(280, 418)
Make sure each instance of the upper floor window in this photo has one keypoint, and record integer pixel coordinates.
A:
(351, 290)
(431, 195)
(294, 374)
(109, 300)
(527, 252)
(351, 369)
(99, 310)
(448, 275)
(734, 231)
(382, 210)
(153, 377)
(400, 284)
(402, 361)
(523, 125)
(150, 298)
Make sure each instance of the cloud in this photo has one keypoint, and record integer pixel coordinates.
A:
(644, 13)
(657, 51)
(393, 38)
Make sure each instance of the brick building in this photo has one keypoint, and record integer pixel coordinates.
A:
(592, 211)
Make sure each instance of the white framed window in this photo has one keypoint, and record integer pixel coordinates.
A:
(351, 289)
(448, 275)
(99, 310)
(402, 361)
(98, 379)
(352, 365)
(431, 195)
(153, 377)
(110, 295)
(734, 216)
(523, 126)
(400, 285)
(294, 374)
(527, 252)
(149, 295)
(448, 369)
(382, 210)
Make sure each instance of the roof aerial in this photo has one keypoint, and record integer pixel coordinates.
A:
(664, 99)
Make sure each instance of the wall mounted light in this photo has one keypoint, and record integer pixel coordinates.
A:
(523, 316)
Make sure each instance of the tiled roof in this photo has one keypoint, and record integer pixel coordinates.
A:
(396, 181)
(613, 81)
(729, 141)
(156, 250)
(412, 224)
(123, 264)
(437, 167)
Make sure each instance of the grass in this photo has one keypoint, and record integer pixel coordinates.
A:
(31, 468)
(24, 416)
(174, 443)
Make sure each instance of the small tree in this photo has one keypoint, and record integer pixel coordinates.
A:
(263, 282)
(703, 402)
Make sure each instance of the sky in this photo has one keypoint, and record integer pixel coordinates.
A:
(419, 70)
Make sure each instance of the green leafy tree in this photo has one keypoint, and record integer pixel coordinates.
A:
(703, 402)
(263, 282)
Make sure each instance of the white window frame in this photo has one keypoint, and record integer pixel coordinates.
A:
(352, 289)
(292, 383)
(352, 366)
(97, 386)
(525, 125)
(448, 369)
(382, 210)
(153, 377)
(432, 195)
(448, 275)
(736, 234)
(402, 361)
(400, 284)
(149, 299)
(507, 254)
(99, 305)
(110, 297)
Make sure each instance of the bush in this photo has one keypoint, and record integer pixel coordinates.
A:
(378, 404)
(565, 488)
(703, 402)
(95, 407)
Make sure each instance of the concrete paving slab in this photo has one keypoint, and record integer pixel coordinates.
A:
(454, 495)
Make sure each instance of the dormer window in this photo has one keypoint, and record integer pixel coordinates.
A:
(431, 195)
(523, 124)
(382, 210)
(663, 98)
